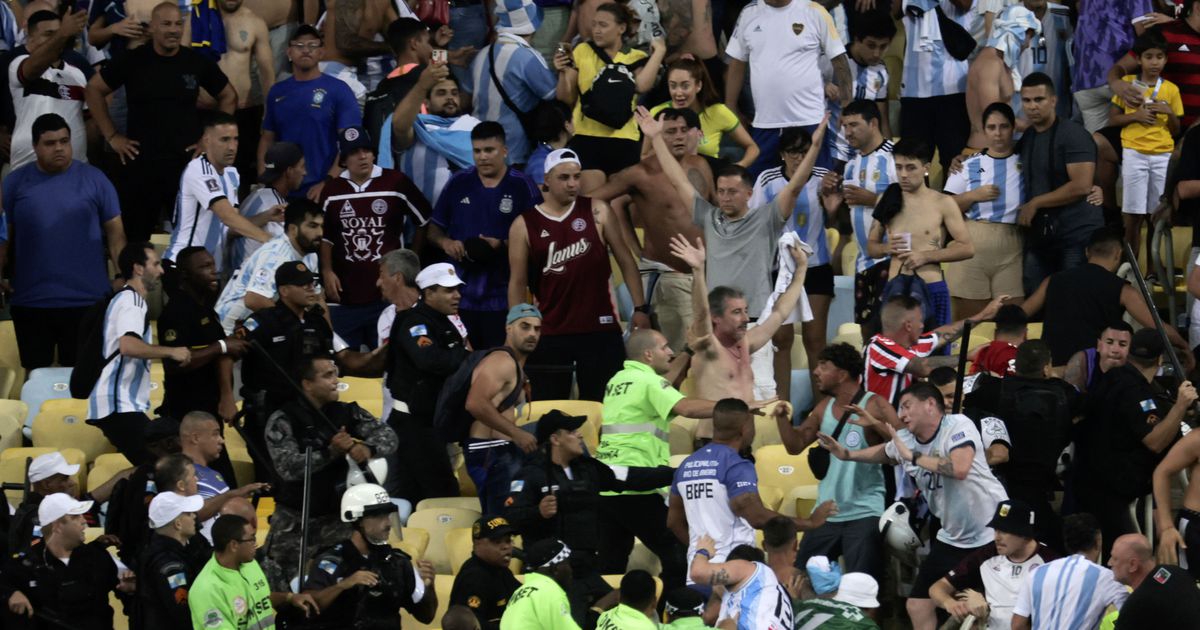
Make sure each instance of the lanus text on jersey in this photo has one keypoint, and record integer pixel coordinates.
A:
(556, 259)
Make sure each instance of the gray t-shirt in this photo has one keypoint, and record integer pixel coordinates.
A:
(740, 253)
(1044, 160)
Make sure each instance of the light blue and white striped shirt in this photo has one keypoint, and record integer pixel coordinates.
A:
(1068, 594)
(758, 603)
(195, 223)
(526, 79)
(870, 84)
(808, 216)
(1051, 53)
(981, 170)
(257, 203)
(124, 383)
(873, 171)
(257, 275)
(929, 70)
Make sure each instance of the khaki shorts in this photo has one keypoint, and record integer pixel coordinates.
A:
(996, 267)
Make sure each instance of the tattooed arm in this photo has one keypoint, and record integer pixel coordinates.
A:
(348, 16)
(956, 464)
(728, 574)
(677, 18)
(843, 79)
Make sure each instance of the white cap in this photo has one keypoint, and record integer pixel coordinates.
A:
(48, 465)
(560, 156)
(59, 505)
(858, 589)
(440, 274)
(167, 506)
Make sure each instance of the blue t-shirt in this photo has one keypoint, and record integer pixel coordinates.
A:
(310, 113)
(466, 209)
(536, 165)
(707, 481)
(58, 220)
(210, 482)
(527, 80)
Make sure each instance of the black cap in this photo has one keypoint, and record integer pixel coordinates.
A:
(544, 553)
(306, 29)
(491, 527)
(1147, 345)
(295, 274)
(279, 158)
(1014, 517)
(684, 602)
(353, 138)
(161, 429)
(555, 420)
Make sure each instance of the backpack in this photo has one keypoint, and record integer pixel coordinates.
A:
(451, 422)
(89, 358)
(382, 101)
(609, 101)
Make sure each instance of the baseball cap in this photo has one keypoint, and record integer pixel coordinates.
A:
(560, 156)
(545, 553)
(279, 158)
(306, 29)
(555, 420)
(858, 589)
(439, 274)
(491, 527)
(683, 601)
(1146, 345)
(59, 505)
(353, 138)
(294, 274)
(167, 506)
(1014, 517)
(521, 311)
(48, 465)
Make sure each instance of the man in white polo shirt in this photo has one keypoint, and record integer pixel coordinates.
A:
(782, 41)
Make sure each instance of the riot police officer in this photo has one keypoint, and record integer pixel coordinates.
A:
(362, 581)
(547, 503)
(61, 583)
(166, 570)
(344, 435)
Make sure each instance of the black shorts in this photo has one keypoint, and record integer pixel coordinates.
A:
(1189, 528)
(942, 558)
(819, 280)
(1113, 135)
(606, 154)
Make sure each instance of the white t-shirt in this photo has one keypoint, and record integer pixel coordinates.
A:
(783, 47)
(964, 507)
(257, 275)
(1070, 592)
(999, 578)
(58, 91)
(124, 383)
(200, 187)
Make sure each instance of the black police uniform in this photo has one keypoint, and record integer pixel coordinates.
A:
(73, 595)
(286, 339)
(577, 520)
(424, 349)
(166, 571)
(484, 589)
(24, 529)
(363, 607)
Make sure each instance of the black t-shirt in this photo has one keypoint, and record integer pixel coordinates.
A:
(1044, 159)
(484, 589)
(161, 93)
(1080, 303)
(1120, 414)
(1189, 168)
(187, 323)
(1167, 598)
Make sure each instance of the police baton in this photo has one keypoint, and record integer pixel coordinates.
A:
(962, 365)
(1173, 358)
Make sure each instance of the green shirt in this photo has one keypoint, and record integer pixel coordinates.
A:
(625, 618)
(637, 418)
(238, 600)
(687, 623)
(539, 604)
(830, 614)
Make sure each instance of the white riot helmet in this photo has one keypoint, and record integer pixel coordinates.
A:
(898, 534)
(366, 499)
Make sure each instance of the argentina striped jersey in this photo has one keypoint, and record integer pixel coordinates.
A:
(195, 223)
(808, 216)
(981, 170)
(873, 171)
(124, 383)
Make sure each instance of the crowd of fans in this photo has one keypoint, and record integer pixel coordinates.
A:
(498, 209)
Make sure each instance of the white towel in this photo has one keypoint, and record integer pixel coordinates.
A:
(928, 33)
(1008, 35)
(787, 268)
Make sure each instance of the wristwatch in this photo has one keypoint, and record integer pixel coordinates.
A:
(704, 552)
(645, 308)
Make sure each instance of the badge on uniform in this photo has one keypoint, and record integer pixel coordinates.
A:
(327, 566)
(169, 335)
(517, 485)
(212, 185)
(418, 330)
(424, 342)
(506, 205)
(1148, 405)
(250, 324)
(473, 601)
(212, 618)
(958, 436)
(177, 580)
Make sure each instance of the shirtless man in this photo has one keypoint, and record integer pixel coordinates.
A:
(280, 17)
(246, 38)
(663, 214)
(719, 339)
(497, 388)
(350, 27)
(1183, 533)
(916, 233)
(990, 76)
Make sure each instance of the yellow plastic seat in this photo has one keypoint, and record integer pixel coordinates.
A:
(442, 584)
(776, 468)
(60, 423)
(984, 329)
(10, 358)
(373, 406)
(849, 256)
(766, 429)
(854, 339)
(465, 503)
(8, 379)
(233, 439)
(847, 328)
(592, 410)
(243, 466)
(12, 466)
(104, 468)
(438, 522)
(833, 237)
(459, 545)
(676, 460)
(798, 501)
(12, 418)
(413, 541)
(1034, 330)
(770, 496)
(357, 389)
(681, 436)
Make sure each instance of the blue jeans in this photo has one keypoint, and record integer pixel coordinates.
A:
(356, 325)
(1066, 252)
(492, 470)
(470, 29)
